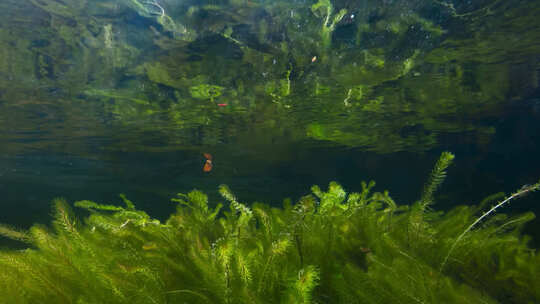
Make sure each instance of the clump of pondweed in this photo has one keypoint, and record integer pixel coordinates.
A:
(330, 247)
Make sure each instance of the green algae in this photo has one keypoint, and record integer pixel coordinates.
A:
(206, 91)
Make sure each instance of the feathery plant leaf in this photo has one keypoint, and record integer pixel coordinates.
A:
(92, 206)
(332, 199)
(227, 193)
(243, 266)
(435, 179)
(198, 203)
(14, 234)
(195, 200)
(64, 219)
(418, 228)
(366, 189)
(264, 220)
(279, 247)
(245, 213)
(302, 286)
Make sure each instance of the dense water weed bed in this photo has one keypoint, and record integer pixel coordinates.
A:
(329, 247)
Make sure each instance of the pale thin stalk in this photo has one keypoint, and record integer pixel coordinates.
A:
(523, 191)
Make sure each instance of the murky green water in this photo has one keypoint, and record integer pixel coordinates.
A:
(105, 97)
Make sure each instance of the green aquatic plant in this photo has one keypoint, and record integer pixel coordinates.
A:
(524, 190)
(299, 64)
(66, 9)
(418, 227)
(153, 9)
(206, 91)
(331, 246)
(324, 9)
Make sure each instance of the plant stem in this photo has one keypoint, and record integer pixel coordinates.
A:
(522, 191)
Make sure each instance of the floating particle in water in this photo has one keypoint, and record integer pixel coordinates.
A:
(208, 164)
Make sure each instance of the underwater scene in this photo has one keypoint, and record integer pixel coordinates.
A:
(269, 151)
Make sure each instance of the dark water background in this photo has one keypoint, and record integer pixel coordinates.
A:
(57, 139)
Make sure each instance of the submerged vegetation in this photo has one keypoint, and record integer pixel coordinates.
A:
(384, 76)
(199, 75)
(329, 247)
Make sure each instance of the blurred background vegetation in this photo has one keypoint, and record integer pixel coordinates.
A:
(386, 76)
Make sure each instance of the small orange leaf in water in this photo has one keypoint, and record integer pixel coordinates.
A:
(207, 166)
